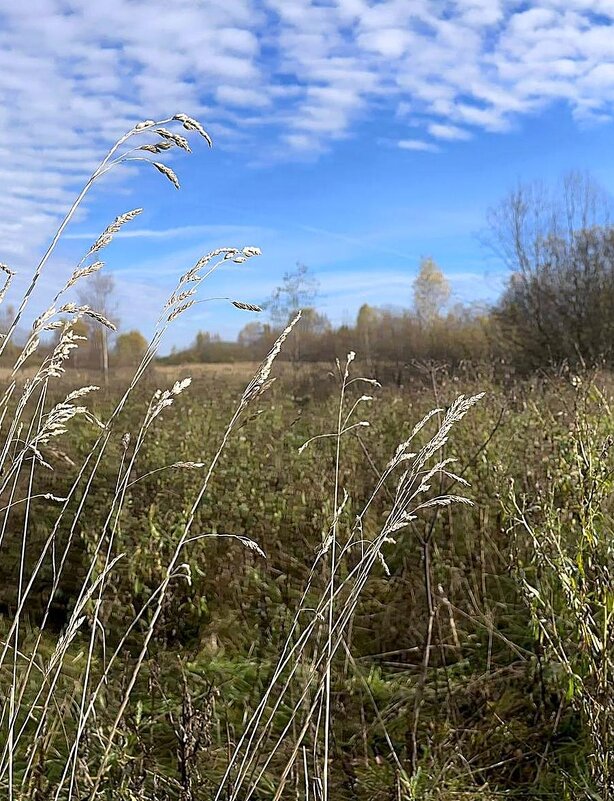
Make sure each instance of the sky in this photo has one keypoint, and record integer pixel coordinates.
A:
(354, 136)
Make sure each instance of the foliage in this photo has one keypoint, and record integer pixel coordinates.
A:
(566, 573)
(494, 714)
(431, 291)
(129, 348)
(388, 340)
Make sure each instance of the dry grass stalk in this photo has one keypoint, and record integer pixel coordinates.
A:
(310, 647)
(35, 680)
(22, 735)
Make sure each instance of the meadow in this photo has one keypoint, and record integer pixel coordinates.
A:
(280, 580)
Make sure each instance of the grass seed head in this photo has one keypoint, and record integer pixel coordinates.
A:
(82, 273)
(107, 235)
(157, 148)
(190, 124)
(245, 306)
(179, 310)
(167, 172)
(100, 318)
(175, 138)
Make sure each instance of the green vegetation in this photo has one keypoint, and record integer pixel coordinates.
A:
(495, 707)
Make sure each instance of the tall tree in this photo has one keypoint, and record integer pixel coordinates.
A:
(98, 292)
(366, 327)
(314, 327)
(298, 290)
(251, 334)
(431, 291)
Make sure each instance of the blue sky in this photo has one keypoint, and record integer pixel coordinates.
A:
(353, 136)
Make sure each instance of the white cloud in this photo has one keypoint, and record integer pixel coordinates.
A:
(390, 42)
(183, 231)
(74, 74)
(451, 132)
(417, 144)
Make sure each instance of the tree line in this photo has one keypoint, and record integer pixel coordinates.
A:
(557, 307)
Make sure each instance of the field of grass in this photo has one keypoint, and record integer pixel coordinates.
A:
(443, 685)
(219, 586)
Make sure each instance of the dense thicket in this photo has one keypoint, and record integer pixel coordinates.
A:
(559, 302)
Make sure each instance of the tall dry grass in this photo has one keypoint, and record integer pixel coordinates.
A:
(59, 722)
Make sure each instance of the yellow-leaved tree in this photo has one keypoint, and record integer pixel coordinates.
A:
(431, 291)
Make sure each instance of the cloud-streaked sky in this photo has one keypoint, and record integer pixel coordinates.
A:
(354, 136)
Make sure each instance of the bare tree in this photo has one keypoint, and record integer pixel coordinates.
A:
(99, 293)
(298, 290)
(559, 245)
